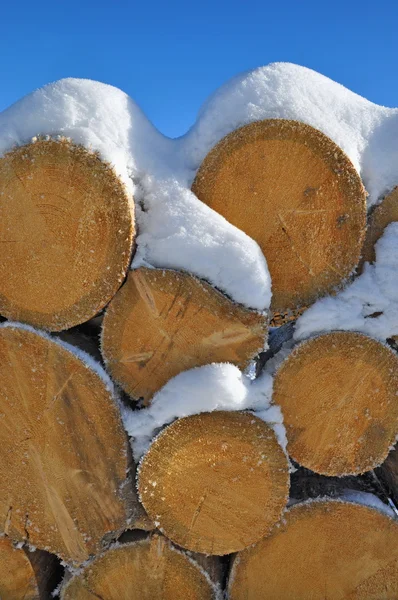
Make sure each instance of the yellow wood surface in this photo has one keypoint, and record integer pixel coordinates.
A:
(66, 234)
(322, 550)
(63, 450)
(339, 397)
(147, 570)
(163, 322)
(297, 194)
(215, 482)
(17, 577)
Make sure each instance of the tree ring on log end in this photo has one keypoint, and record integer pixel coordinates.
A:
(63, 449)
(163, 322)
(151, 569)
(296, 193)
(66, 234)
(339, 396)
(215, 482)
(322, 549)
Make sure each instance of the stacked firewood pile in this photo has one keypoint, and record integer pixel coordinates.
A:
(208, 511)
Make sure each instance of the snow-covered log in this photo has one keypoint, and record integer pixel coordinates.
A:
(163, 322)
(67, 234)
(215, 482)
(321, 549)
(64, 455)
(382, 215)
(148, 569)
(338, 394)
(25, 575)
(298, 195)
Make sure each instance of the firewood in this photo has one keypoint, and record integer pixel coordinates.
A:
(382, 215)
(149, 569)
(64, 454)
(216, 482)
(322, 549)
(388, 474)
(297, 194)
(25, 575)
(338, 394)
(67, 232)
(163, 322)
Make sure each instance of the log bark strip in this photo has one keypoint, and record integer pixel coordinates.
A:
(388, 474)
(164, 322)
(338, 394)
(322, 549)
(148, 569)
(66, 234)
(297, 194)
(382, 215)
(21, 577)
(216, 482)
(64, 454)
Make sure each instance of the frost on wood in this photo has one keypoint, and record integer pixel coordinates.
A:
(63, 450)
(321, 549)
(144, 570)
(216, 482)
(66, 230)
(296, 193)
(163, 322)
(338, 394)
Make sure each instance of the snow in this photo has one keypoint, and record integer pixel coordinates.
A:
(175, 229)
(218, 386)
(375, 292)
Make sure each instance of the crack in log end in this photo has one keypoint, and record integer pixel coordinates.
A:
(198, 509)
(7, 521)
(144, 290)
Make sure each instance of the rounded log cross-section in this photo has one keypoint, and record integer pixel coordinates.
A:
(339, 396)
(150, 569)
(382, 215)
(297, 194)
(323, 549)
(63, 449)
(216, 482)
(66, 234)
(22, 577)
(163, 322)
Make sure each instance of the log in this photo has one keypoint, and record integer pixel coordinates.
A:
(164, 322)
(148, 569)
(214, 483)
(25, 575)
(388, 474)
(382, 215)
(64, 455)
(297, 194)
(338, 394)
(322, 549)
(66, 233)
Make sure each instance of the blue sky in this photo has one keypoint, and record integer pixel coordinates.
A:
(170, 55)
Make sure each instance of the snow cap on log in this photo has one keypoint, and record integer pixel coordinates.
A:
(63, 450)
(339, 397)
(215, 482)
(163, 322)
(66, 234)
(295, 192)
(321, 549)
(148, 569)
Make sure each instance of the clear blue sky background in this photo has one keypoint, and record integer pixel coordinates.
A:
(169, 55)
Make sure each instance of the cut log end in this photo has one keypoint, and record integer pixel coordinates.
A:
(383, 214)
(20, 579)
(297, 194)
(146, 570)
(66, 234)
(63, 450)
(164, 322)
(338, 394)
(216, 482)
(323, 549)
